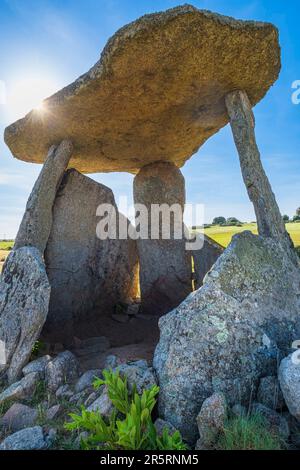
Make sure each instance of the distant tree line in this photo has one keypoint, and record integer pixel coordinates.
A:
(295, 218)
(231, 221)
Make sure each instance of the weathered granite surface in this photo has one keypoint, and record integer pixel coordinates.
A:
(157, 92)
(230, 332)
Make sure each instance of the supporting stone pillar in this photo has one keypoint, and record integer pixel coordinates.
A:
(36, 223)
(165, 265)
(269, 219)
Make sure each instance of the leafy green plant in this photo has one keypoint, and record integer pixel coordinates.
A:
(248, 433)
(130, 426)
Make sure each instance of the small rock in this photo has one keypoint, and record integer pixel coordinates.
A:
(90, 399)
(211, 418)
(38, 366)
(18, 417)
(26, 439)
(64, 392)
(276, 422)
(50, 437)
(22, 389)
(269, 393)
(138, 373)
(111, 362)
(289, 378)
(87, 380)
(161, 424)
(61, 370)
(81, 397)
(102, 405)
(54, 412)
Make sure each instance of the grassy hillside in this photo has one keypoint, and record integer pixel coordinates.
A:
(223, 235)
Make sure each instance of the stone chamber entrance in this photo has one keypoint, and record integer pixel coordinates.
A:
(107, 295)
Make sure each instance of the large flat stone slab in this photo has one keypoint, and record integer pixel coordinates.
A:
(157, 92)
(84, 271)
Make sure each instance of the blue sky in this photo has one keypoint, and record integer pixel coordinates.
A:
(46, 44)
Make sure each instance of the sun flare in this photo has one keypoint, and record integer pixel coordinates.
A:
(27, 93)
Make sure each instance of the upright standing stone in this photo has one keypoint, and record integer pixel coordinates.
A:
(24, 300)
(269, 219)
(165, 266)
(205, 258)
(36, 224)
(83, 270)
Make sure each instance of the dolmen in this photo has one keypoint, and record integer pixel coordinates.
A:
(163, 85)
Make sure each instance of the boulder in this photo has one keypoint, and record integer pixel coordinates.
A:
(127, 112)
(165, 265)
(26, 439)
(64, 392)
(230, 332)
(205, 258)
(211, 419)
(269, 393)
(23, 389)
(64, 369)
(85, 271)
(18, 417)
(54, 412)
(38, 365)
(289, 378)
(37, 220)
(24, 301)
(138, 373)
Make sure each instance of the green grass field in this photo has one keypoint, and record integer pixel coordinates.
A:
(223, 235)
(6, 245)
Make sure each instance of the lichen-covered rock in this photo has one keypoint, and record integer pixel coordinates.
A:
(211, 418)
(18, 417)
(26, 439)
(138, 373)
(85, 271)
(64, 369)
(165, 264)
(24, 301)
(230, 332)
(289, 379)
(269, 393)
(23, 389)
(126, 112)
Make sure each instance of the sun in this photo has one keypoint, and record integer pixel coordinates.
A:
(27, 93)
